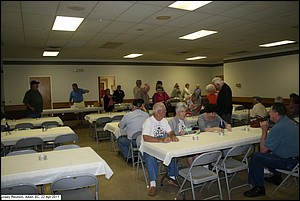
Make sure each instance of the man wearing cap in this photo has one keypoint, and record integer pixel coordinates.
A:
(258, 108)
(131, 123)
(33, 101)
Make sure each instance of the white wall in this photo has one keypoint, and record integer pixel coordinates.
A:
(16, 78)
(270, 77)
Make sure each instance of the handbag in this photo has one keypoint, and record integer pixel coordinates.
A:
(255, 121)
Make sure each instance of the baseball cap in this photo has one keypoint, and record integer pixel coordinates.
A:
(34, 82)
(138, 102)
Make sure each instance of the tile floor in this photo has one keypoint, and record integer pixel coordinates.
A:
(124, 185)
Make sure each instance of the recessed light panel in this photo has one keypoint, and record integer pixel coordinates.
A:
(198, 34)
(66, 23)
(284, 42)
(189, 5)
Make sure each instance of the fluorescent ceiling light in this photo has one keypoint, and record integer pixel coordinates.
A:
(189, 5)
(277, 43)
(197, 34)
(66, 23)
(195, 58)
(50, 53)
(132, 55)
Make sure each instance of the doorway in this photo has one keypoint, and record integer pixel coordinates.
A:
(105, 82)
(45, 90)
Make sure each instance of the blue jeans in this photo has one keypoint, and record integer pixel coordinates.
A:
(124, 143)
(152, 167)
(260, 160)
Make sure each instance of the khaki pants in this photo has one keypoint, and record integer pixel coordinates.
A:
(79, 105)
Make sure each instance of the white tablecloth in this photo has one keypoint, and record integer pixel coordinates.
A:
(114, 129)
(72, 110)
(208, 141)
(28, 168)
(49, 135)
(236, 106)
(93, 117)
(240, 114)
(35, 121)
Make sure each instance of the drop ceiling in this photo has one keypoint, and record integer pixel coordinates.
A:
(113, 29)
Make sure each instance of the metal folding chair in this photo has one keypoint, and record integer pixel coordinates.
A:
(198, 175)
(19, 189)
(76, 187)
(293, 173)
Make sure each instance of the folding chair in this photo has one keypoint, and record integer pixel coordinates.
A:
(67, 146)
(29, 143)
(20, 152)
(198, 175)
(50, 124)
(230, 165)
(294, 173)
(140, 160)
(117, 118)
(76, 187)
(66, 138)
(19, 189)
(132, 152)
(24, 126)
(100, 134)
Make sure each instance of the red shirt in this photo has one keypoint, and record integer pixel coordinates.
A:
(212, 98)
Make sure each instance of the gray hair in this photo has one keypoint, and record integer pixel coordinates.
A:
(158, 106)
(210, 88)
(278, 99)
(217, 80)
(180, 105)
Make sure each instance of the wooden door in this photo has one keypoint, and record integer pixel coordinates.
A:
(45, 90)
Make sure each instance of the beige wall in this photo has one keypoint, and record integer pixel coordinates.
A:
(16, 78)
(271, 77)
(267, 77)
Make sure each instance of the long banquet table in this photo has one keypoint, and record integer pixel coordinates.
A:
(37, 122)
(27, 168)
(10, 138)
(208, 141)
(91, 118)
(71, 110)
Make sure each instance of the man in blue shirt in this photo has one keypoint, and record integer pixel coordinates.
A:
(76, 96)
(279, 148)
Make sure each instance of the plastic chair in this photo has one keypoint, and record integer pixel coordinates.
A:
(66, 138)
(100, 134)
(117, 118)
(50, 124)
(294, 173)
(198, 175)
(24, 126)
(19, 189)
(140, 160)
(132, 151)
(230, 165)
(20, 152)
(29, 143)
(67, 146)
(76, 187)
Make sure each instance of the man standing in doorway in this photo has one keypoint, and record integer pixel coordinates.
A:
(33, 100)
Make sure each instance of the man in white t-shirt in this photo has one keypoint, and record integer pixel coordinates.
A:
(157, 130)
